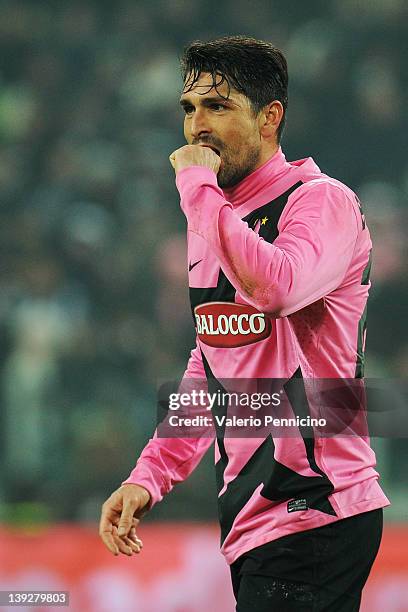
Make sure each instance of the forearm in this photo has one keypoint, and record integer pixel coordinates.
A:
(307, 260)
(166, 461)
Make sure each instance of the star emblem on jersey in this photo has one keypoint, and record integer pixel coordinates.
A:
(191, 266)
(264, 220)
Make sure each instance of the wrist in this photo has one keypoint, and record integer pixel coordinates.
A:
(142, 492)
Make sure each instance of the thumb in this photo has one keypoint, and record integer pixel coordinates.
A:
(125, 522)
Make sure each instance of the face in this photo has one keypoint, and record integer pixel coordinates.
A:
(228, 126)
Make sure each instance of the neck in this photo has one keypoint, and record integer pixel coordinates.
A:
(267, 154)
(267, 171)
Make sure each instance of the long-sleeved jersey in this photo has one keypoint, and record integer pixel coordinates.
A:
(279, 279)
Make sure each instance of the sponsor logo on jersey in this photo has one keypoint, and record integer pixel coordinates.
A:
(228, 325)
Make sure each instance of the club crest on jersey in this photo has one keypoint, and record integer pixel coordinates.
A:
(228, 325)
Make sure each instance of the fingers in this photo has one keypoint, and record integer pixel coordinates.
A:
(133, 537)
(126, 545)
(117, 527)
(106, 524)
(126, 520)
(135, 543)
(116, 544)
(195, 155)
(110, 543)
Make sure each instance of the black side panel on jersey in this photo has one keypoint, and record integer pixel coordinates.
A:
(280, 483)
(213, 387)
(362, 325)
(296, 393)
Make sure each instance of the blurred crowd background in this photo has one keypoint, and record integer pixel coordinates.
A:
(93, 281)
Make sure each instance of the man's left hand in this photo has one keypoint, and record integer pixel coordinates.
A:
(195, 155)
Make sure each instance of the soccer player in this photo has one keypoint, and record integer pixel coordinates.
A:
(277, 246)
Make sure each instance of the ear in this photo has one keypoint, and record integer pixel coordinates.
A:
(270, 118)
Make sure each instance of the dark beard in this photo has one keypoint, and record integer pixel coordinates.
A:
(229, 176)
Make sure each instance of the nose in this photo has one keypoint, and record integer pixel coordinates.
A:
(199, 124)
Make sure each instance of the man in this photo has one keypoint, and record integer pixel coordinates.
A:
(301, 518)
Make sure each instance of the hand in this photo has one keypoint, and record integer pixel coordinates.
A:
(195, 155)
(120, 517)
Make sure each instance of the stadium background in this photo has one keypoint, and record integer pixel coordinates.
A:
(93, 286)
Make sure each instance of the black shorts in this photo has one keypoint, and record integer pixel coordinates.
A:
(319, 570)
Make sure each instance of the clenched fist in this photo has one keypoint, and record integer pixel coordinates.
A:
(195, 155)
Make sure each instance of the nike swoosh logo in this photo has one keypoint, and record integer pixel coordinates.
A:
(191, 266)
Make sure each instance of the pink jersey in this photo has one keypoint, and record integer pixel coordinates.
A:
(279, 280)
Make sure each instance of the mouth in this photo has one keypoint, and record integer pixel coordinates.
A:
(211, 147)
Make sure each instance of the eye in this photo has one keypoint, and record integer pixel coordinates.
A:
(188, 109)
(217, 107)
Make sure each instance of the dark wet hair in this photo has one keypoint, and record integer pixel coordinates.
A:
(253, 67)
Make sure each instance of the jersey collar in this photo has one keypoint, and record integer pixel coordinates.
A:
(264, 176)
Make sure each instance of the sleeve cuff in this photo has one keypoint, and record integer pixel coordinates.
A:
(193, 175)
(152, 482)
(201, 199)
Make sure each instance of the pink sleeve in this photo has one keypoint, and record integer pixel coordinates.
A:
(317, 235)
(167, 461)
